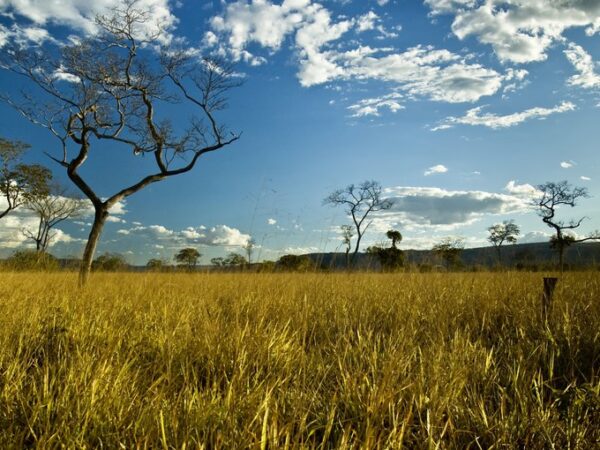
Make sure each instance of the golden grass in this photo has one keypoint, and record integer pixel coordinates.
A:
(298, 361)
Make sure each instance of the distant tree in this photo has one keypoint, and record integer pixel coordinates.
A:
(395, 236)
(121, 80)
(249, 248)
(188, 257)
(110, 262)
(51, 209)
(347, 235)
(390, 258)
(552, 196)
(449, 249)
(155, 264)
(235, 259)
(360, 201)
(19, 183)
(218, 261)
(297, 263)
(500, 233)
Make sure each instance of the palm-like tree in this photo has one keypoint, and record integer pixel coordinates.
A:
(395, 236)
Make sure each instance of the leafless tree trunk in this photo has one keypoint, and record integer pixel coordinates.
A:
(92, 243)
(115, 85)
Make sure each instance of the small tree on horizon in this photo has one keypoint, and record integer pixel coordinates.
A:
(188, 257)
(156, 264)
(235, 259)
(500, 233)
(360, 202)
(449, 249)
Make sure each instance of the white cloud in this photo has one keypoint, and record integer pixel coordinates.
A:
(584, 65)
(420, 71)
(257, 21)
(80, 14)
(271, 221)
(367, 21)
(567, 164)
(436, 209)
(584, 178)
(474, 117)
(220, 235)
(372, 106)
(519, 31)
(524, 190)
(23, 35)
(535, 237)
(299, 250)
(440, 168)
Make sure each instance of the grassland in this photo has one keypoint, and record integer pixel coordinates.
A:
(298, 361)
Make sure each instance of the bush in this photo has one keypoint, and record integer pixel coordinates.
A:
(31, 260)
(109, 262)
(296, 263)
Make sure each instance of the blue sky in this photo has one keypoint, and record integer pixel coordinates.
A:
(458, 108)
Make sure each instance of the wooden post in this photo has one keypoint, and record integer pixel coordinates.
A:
(549, 286)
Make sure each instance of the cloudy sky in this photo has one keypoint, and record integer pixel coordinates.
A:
(458, 108)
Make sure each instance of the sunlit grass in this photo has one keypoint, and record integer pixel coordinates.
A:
(298, 361)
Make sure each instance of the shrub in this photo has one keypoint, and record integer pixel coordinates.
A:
(32, 260)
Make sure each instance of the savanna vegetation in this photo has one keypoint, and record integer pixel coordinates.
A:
(289, 360)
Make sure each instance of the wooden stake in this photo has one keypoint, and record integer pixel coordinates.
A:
(549, 286)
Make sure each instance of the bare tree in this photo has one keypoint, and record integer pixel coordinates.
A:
(450, 249)
(19, 182)
(51, 209)
(553, 195)
(106, 90)
(500, 233)
(360, 201)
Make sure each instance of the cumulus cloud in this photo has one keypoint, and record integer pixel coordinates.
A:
(519, 31)
(567, 164)
(367, 21)
(581, 60)
(445, 209)
(440, 168)
(475, 117)
(220, 235)
(584, 178)
(272, 221)
(80, 15)
(23, 35)
(524, 190)
(372, 106)
(420, 71)
(535, 237)
(300, 250)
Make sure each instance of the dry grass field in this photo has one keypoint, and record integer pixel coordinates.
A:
(298, 361)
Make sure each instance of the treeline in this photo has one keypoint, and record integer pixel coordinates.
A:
(521, 257)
